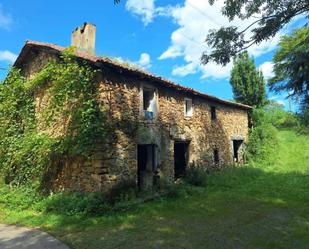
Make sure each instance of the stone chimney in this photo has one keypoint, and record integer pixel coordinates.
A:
(83, 38)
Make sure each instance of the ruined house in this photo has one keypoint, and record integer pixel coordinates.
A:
(178, 127)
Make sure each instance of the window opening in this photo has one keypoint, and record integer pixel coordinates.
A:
(216, 156)
(188, 108)
(213, 113)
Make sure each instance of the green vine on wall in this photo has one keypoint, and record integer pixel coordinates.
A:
(72, 103)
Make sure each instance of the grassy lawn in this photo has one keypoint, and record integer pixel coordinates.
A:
(256, 206)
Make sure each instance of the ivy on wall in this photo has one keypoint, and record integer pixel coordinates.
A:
(72, 102)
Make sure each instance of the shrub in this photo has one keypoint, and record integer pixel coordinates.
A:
(304, 117)
(262, 142)
(125, 190)
(75, 203)
(18, 198)
(174, 191)
(290, 121)
(196, 176)
(274, 114)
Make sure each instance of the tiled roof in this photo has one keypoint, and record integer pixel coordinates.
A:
(95, 59)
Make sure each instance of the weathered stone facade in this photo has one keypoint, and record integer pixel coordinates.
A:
(195, 140)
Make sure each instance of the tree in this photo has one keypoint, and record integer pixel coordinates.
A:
(291, 66)
(247, 82)
(271, 16)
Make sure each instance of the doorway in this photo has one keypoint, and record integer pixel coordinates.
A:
(237, 157)
(146, 166)
(181, 158)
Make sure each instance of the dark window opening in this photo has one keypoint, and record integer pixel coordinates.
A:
(146, 166)
(213, 113)
(216, 156)
(236, 149)
(181, 158)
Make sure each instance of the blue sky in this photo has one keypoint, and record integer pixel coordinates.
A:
(166, 37)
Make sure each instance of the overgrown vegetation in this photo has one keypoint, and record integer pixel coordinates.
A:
(25, 150)
(259, 205)
(263, 139)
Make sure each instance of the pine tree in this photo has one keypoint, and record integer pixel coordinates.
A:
(247, 82)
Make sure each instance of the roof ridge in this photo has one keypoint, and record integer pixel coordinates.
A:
(107, 60)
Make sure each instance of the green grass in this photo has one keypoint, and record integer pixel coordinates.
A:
(263, 205)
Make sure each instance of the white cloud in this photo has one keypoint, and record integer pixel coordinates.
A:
(184, 70)
(280, 102)
(144, 61)
(5, 19)
(267, 69)
(143, 8)
(7, 56)
(147, 10)
(195, 18)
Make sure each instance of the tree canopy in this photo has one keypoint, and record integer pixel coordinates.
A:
(291, 66)
(271, 16)
(247, 82)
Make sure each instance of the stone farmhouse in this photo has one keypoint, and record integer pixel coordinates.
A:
(178, 127)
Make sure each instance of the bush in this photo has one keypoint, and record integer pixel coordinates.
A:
(274, 114)
(175, 191)
(75, 203)
(196, 176)
(123, 191)
(262, 142)
(304, 117)
(290, 121)
(18, 198)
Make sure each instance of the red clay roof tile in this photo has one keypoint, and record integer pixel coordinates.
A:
(83, 55)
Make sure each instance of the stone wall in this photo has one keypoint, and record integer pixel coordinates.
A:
(116, 160)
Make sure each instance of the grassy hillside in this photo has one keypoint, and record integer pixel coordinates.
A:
(263, 205)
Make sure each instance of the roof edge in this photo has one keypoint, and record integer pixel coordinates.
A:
(94, 59)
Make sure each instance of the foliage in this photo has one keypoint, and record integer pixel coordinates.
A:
(23, 153)
(75, 204)
(270, 15)
(16, 106)
(273, 113)
(18, 199)
(262, 142)
(196, 176)
(263, 138)
(25, 159)
(237, 201)
(124, 191)
(304, 118)
(291, 66)
(247, 82)
(73, 100)
(27, 140)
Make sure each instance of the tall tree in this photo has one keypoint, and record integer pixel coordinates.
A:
(291, 66)
(247, 82)
(270, 15)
